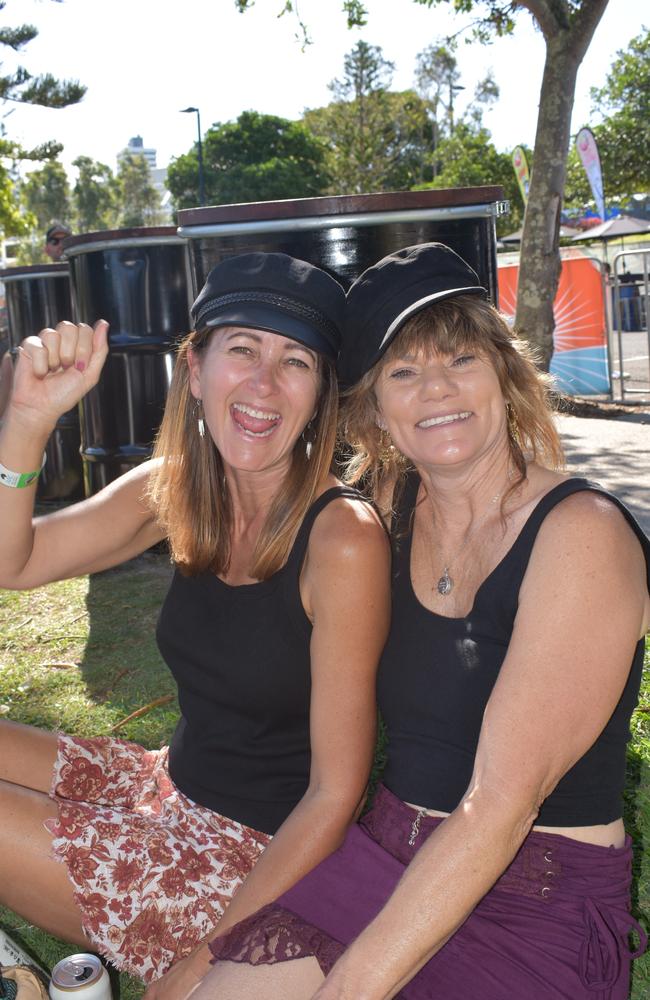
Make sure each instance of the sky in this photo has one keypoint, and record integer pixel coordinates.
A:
(144, 60)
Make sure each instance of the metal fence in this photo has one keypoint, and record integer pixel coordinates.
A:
(629, 327)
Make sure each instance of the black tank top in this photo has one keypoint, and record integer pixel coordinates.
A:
(240, 656)
(437, 673)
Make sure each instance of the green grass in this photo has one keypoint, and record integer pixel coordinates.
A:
(80, 656)
(637, 821)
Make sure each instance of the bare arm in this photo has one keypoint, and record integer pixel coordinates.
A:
(345, 588)
(583, 607)
(53, 372)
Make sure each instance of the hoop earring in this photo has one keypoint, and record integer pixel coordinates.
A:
(197, 414)
(309, 437)
(513, 426)
(386, 449)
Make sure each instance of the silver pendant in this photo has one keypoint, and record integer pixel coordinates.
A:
(445, 584)
(201, 424)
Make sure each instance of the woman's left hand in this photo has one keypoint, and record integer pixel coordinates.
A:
(183, 977)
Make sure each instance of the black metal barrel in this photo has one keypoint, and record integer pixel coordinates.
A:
(138, 280)
(347, 233)
(38, 296)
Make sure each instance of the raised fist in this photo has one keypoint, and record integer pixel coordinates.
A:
(56, 369)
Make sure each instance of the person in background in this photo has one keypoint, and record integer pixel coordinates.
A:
(54, 238)
(272, 628)
(493, 862)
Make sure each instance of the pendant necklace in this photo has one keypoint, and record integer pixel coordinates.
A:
(446, 583)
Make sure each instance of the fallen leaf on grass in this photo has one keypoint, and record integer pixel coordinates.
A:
(84, 614)
(59, 638)
(104, 693)
(143, 711)
(60, 666)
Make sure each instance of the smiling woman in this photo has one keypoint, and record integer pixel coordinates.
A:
(494, 861)
(236, 375)
(272, 628)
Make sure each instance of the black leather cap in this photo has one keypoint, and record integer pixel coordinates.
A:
(276, 292)
(387, 294)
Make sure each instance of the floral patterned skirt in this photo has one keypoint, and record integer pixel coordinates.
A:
(152, 871)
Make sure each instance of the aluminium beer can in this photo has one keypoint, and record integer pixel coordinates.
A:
(80, 977)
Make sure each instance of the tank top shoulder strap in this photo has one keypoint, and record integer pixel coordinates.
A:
(528, 533)
(406, 494)
(297, 554)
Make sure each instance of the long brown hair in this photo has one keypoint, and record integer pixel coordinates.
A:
(450, 327)
(187, 487)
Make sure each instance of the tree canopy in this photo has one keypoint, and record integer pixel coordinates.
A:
(376, 139)
(23, 87)
(46, 194)
(138, 199)
(567, 27)
(94, 196)
(624, 134)
(255, 158)
(468, 158)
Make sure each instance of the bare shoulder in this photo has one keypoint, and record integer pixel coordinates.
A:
(587, 516)
(345, 528)
(586, 536)
(346, 573)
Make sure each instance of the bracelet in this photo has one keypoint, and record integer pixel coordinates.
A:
(18, 480)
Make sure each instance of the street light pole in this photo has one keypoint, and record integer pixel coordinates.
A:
(200, 153)
(453, 88)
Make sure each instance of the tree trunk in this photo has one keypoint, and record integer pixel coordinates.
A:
(567, 38)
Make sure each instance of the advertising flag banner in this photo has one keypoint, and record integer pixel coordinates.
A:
(520, 163)
(579, 364)
(588, 152)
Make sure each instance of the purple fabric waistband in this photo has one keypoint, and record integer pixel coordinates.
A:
(547, 864)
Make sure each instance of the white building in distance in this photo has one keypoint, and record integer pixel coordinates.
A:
(136, 147)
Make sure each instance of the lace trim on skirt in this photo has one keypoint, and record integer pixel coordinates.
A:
(273, 935)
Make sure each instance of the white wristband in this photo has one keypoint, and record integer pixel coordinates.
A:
(19, 480)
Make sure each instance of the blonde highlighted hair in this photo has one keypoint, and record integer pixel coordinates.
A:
(450, 327)
(188, 491)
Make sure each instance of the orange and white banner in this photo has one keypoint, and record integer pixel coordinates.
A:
(579, 361)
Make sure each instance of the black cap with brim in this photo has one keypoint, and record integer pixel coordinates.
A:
(275, 292)
(390, 292)
(58, 229)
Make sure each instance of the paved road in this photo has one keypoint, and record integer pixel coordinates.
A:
(636, 364)
(615, 453)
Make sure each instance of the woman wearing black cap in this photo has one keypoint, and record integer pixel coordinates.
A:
(272, 627)
(494, 862)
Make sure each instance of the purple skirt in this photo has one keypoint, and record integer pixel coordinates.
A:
(555, 926)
